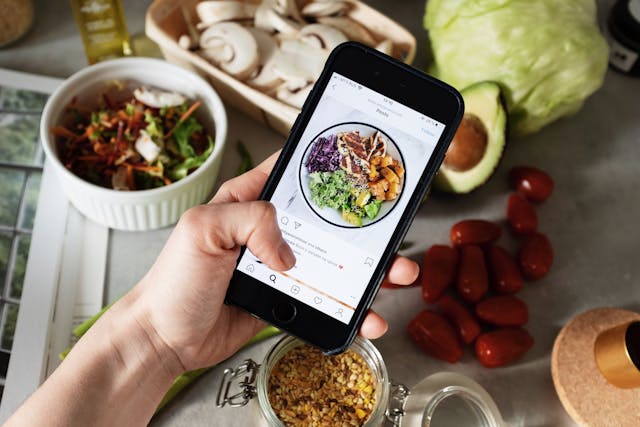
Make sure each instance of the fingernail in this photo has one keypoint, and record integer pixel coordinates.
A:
(286, 255)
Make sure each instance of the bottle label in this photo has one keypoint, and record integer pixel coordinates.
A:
(621, 56)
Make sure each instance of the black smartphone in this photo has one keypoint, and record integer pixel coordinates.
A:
(349, 181)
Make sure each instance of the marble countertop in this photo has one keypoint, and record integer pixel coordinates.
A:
(591, 220)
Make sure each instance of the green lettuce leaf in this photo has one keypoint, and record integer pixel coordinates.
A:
(548, 55)
(182, 169)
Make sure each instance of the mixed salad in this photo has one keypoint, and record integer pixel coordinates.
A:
(149, 140)
(353, 174)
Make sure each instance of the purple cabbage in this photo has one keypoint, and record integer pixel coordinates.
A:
(324, 155)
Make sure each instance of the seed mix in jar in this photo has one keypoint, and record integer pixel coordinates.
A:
(307, 388)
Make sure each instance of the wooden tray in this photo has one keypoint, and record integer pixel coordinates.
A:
(165, 24)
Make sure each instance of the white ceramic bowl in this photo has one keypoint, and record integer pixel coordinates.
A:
(143, 209)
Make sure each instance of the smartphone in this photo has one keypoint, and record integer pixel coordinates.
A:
(349, 181)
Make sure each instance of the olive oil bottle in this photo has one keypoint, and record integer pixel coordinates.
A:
(103, 29)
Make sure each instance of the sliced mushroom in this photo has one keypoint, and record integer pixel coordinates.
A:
(155, 98)
(322, 36)
(269, 20)
(299, 62)
(264, 78)
(385, 47)
(213, 11)
(232, 47)
(352, 29)
(145, 146)
(294, 96)
(319, 8)
(288, 8)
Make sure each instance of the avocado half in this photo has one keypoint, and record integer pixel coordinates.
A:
(477, 147)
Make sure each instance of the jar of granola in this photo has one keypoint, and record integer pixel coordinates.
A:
(297, 385)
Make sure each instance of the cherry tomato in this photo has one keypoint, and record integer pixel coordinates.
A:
(468, 326)
(502, 346)
(506, 277)
(438, 271)
(474, 232)
(536, 256)
(435, 336)
(473, 281)
(521, 215)
(533, 183)
(504, 310)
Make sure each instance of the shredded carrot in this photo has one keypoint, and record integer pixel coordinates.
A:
(63, 132)
(184, 117)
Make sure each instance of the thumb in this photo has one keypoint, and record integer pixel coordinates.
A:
(252, 224)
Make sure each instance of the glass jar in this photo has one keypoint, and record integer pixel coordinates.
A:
(440, 400)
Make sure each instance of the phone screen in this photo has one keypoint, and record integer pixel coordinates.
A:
(343, 193)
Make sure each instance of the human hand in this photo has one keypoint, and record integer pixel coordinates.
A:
(181, 299)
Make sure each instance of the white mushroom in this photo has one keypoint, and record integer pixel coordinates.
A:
(322, 36)
(288, 8)
(232, 47)
(294, 96)
(213, 11)
(146, 147)
(324, 8)
(298, 62)
(353, 30)
(269, 20)
(264, 77)
(386, 47)
(155, 98)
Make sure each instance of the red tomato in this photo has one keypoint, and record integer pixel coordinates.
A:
(505, 274)
(534, 184)
(473, 281)
(468, 327)
(505, 310)
(474, 232)
(502, 346)
(521, 215)
(438, 271)
(536, 256)
(435, 336)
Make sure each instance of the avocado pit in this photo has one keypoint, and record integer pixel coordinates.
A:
(468, 146)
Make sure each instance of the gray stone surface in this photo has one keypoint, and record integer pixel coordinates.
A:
(591, 220)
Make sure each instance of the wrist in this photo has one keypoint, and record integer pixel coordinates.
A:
(139, 347)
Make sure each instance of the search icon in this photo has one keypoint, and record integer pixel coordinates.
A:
(272, 278)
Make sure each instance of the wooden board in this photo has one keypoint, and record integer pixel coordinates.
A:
(585, 394)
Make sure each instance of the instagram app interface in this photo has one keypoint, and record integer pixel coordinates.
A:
(343, 193)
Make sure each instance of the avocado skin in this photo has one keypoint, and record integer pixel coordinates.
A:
(485, 101)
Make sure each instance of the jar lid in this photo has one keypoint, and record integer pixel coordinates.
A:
(449, 399)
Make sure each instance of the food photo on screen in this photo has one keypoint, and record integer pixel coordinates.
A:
(352, 174)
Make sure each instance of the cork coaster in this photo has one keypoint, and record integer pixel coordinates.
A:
(585, 394)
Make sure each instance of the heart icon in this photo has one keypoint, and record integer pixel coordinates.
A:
(340, 266)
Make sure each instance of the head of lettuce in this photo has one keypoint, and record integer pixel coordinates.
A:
(548, 55)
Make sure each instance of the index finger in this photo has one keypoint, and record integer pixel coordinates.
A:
(246, 187)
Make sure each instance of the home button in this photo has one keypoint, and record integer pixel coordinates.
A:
(284, 312)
